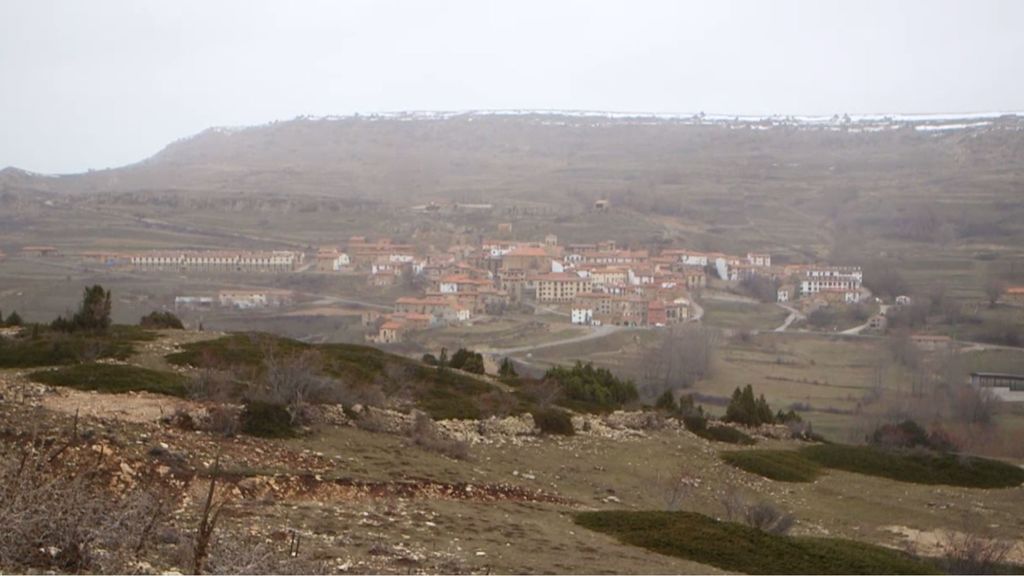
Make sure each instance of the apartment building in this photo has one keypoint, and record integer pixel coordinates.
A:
(560, 286)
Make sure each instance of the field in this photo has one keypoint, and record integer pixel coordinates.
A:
(743, 315)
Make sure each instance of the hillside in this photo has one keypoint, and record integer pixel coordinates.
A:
(481, 156)
(932, 195)
(366, 488)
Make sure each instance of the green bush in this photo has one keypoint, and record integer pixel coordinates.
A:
(744, 409)
(507, 369)
(782, 465)
(468, 361)
(114, 378)
(43, 347)
(266, 420)
(93, 313)
(439, 391)
(910, 434)
(918, 466)
(553, 421)
(161, 320)
(726, 434)
(735, 547)
(592, 389)
(696, 422)
(667, 402)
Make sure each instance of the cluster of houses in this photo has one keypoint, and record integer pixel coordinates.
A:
(599, 283)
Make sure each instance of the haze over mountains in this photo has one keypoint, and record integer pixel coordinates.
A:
(525, 154)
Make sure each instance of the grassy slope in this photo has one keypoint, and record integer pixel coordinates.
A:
(441, 393)
(113, 378)
(57, 349)
(736, 547)
(782, 465)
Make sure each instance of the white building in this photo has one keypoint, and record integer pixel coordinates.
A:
(760, 260)
(582, 315)
(847, 279)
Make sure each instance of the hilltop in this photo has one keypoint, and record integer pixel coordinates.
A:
(481, 156)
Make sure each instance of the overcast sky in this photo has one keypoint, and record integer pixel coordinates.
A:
(94, 84)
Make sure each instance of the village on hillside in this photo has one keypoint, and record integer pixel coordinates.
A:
(593, 284)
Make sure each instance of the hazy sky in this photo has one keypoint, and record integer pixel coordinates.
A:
(93, 84)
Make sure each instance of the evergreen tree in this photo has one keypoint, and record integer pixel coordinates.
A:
(507, 369)
(94, 313)
(667, 402)
(744, 409)
(14, 319)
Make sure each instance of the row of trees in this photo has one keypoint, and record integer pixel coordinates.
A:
(747, 410)
(592, 387)
(463, 359)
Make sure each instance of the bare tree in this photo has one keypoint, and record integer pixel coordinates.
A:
(678, 489)
(686, 355)
(994, 288)
(60, 516)
(762, 515)
(293, 380)
(970, 551)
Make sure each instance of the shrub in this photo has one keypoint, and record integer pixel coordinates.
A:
(667, 402)
(744, 409)
(592, 388)
(553, 421)
(823, 317)
(93, 313)
(266, 420)
(468, 361)
(726, 434)
(115, 378)
(917, 467)
(57, 517)
(695, 422)
(763, 516)
(971, 553)
(223, 420)
(735, 547)
(44, 348)
(910, 434)
(161, 320)
(781, 465)
(507, 369)
(425, 434)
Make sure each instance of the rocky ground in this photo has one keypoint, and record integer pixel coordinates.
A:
(355, 499)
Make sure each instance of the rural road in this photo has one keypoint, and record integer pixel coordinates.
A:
(858, 329)
(794, 315)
